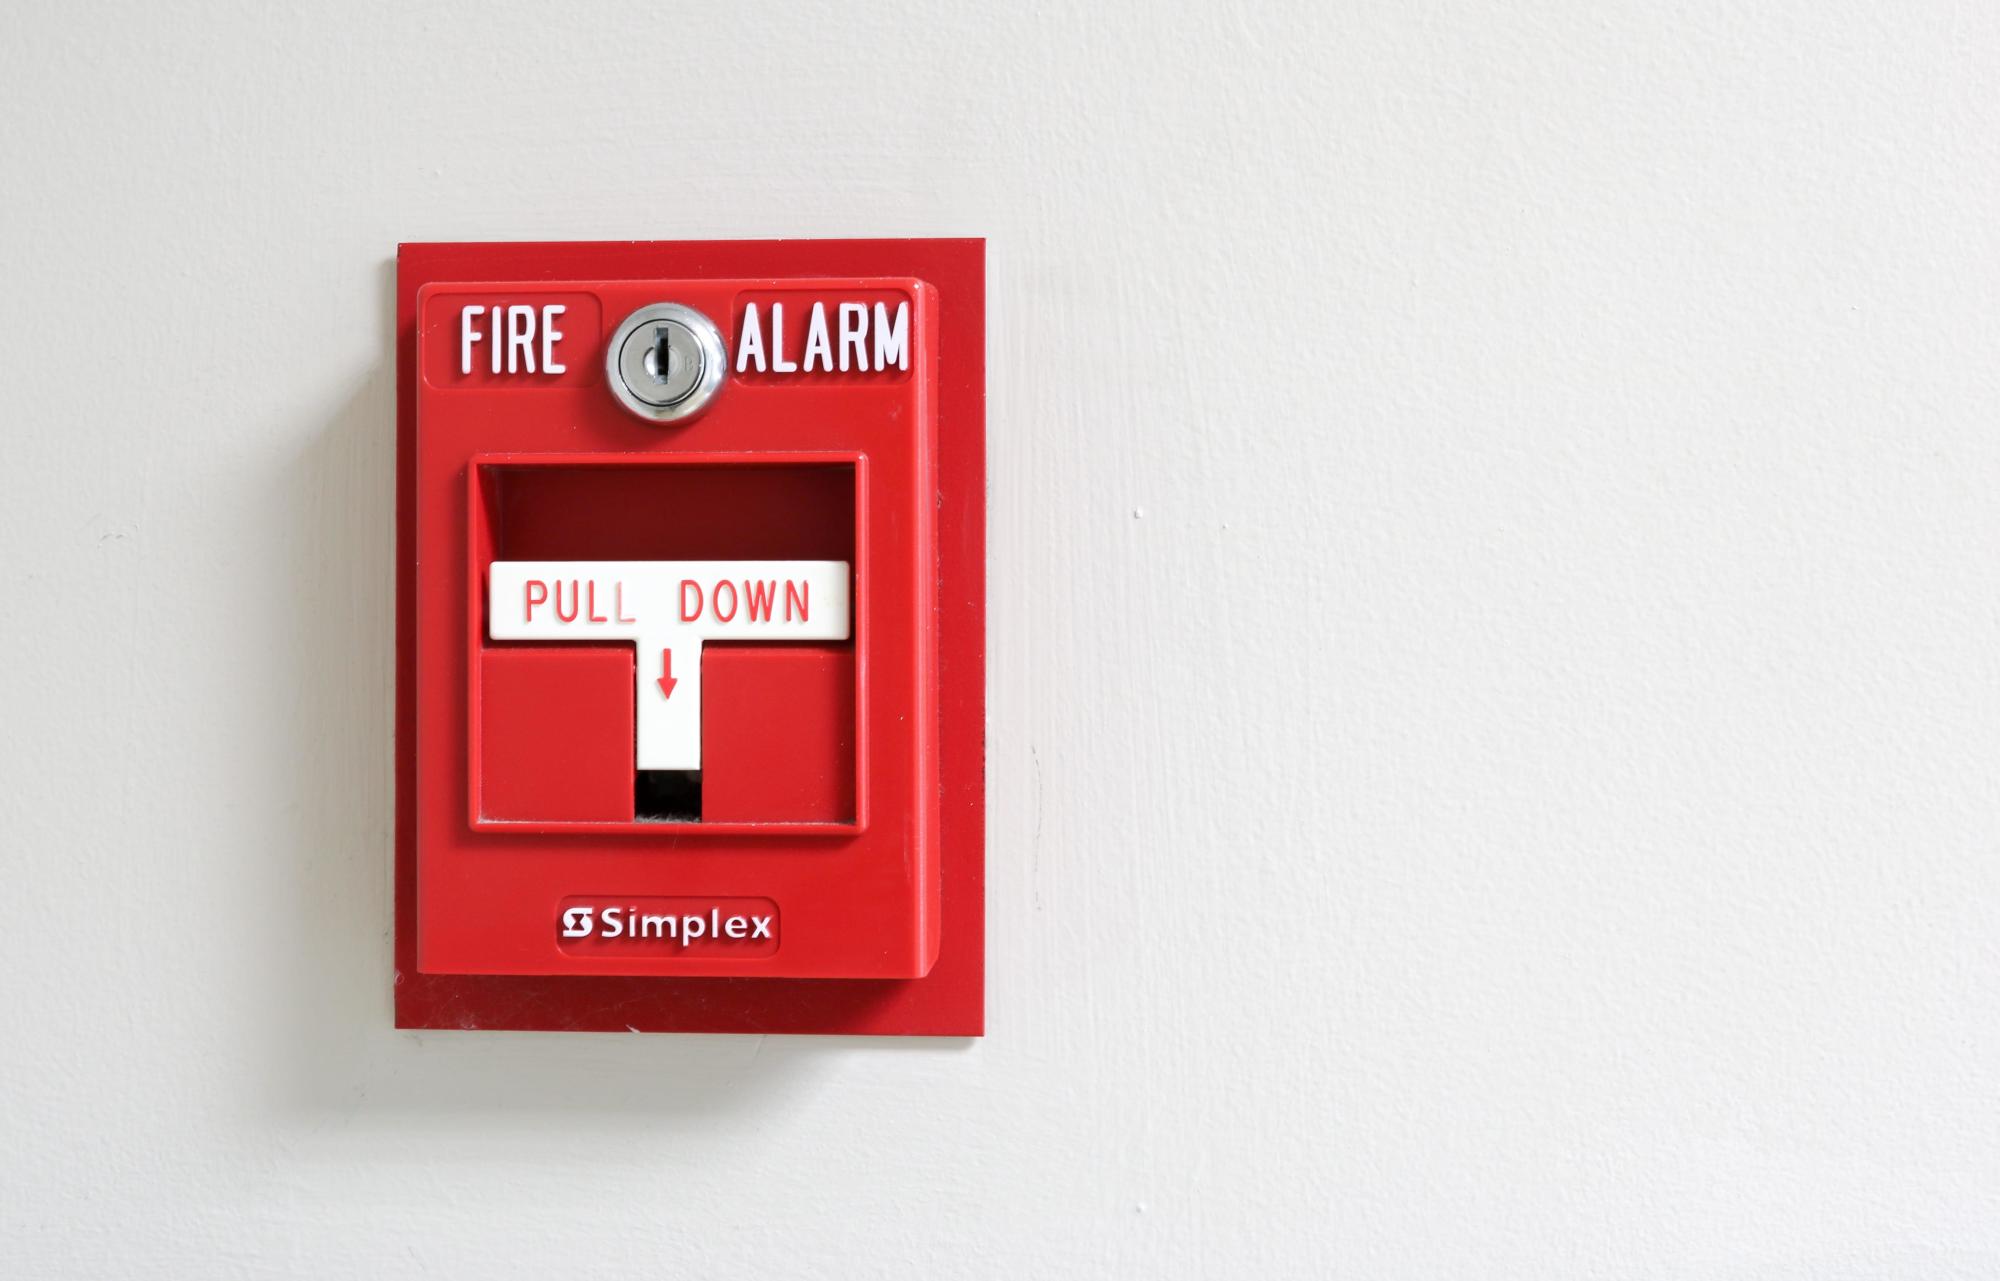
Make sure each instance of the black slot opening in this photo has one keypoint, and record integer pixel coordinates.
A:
(667, 796)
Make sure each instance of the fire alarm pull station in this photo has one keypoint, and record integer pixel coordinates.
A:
(690, 636)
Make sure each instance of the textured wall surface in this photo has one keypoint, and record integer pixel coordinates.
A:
(1495, 649)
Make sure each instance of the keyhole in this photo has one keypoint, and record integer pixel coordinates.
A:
(659, 359)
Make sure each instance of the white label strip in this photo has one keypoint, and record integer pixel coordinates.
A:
(668, 608)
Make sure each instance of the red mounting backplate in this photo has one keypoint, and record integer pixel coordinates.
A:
(842, 790)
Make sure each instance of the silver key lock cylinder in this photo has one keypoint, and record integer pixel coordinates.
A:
(665, 363)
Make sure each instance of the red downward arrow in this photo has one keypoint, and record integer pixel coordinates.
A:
(667, 681)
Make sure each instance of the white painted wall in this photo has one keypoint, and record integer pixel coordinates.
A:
(1495, 659)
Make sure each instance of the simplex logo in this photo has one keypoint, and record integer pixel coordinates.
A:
(736, 927)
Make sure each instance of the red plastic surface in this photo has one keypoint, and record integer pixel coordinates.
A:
(778, 734)
(553, 742)
(842, 788)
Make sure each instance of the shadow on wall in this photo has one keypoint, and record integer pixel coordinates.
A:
(326, 964)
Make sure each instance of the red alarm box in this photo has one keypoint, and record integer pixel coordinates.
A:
(691, 636)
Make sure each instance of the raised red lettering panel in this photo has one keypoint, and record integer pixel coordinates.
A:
(520, 341)
(690, 700)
